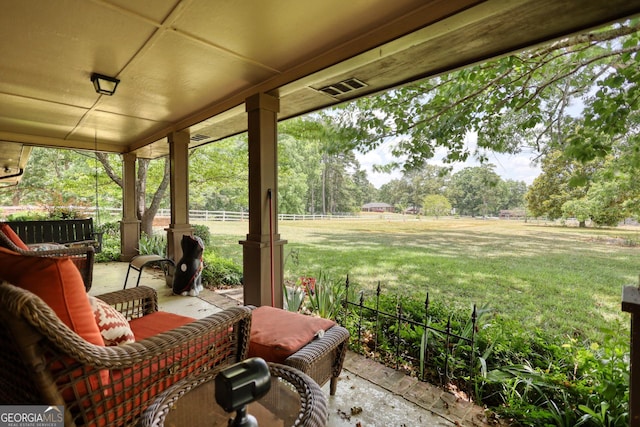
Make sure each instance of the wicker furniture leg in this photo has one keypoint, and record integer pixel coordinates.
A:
(322, 359)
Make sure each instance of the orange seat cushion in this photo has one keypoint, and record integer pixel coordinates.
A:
(59, 284)
(137, 386)
(155, 323)
(276, 334)
(11, 235)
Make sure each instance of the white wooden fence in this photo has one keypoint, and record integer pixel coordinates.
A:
(198, 215)
(202, 215)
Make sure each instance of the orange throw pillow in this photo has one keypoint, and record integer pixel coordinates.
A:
(276, 334)
(59, 283)
(11, 235)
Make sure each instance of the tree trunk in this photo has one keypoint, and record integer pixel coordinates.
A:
(582, 224)
(324, 184)
(312, 205)
(144, 214)
(150, 213)
(141, 192)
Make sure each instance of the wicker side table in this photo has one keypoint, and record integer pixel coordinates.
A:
(293, 400)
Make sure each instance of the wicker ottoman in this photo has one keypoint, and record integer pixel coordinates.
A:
(312, 345)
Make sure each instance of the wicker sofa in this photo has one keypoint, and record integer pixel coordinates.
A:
(45, 362)
(82, 257)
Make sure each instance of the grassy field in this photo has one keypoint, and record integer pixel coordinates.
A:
(563, 280)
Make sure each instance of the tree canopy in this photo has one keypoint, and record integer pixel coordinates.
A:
(574, 101)
(579, 95)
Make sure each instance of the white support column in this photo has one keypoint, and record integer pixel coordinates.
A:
(130, 225)
(179, 182)
(263, 248)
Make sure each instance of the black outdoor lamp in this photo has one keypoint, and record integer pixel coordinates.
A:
(104, 85)
(241, 384)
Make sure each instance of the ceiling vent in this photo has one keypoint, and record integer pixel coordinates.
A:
(343, 87)
(199, 137)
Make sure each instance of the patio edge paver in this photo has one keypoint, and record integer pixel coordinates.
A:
(429, 397)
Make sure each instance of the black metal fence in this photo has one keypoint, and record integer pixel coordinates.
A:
(419, 342)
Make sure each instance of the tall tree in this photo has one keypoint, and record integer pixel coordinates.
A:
(476, 191)
(515, 191)
(147, 204)
(561, 180)
(218, 174)
(603, 201)
(363, 190)
(44, 179)
(436, 205)
(59, 177)
(330, 166)
(293, 174)
(415, 184)
(396, 193)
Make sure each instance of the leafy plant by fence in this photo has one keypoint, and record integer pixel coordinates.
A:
(156, 244)
(423, 341)
(578, 385)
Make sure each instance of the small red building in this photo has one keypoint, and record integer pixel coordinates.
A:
(377, 207)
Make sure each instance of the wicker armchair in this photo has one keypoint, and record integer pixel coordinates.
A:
(44, 362)
(82, 257)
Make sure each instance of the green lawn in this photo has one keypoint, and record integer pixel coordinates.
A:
(563, 280)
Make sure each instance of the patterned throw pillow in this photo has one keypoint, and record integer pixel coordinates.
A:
(113, 325)
(46, 246)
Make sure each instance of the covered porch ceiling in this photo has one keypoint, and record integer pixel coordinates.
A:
(190, 64)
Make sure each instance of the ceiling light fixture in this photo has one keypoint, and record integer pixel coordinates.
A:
(104, 85)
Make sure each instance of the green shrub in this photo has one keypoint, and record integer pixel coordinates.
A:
(110, 242)
(110, 228)
(220, 272)
(27, 216)
(407, 343)
(562, 384)
(603, 379)
(530, 377)
(156, 244)
(53, 212)
(109, 253)
(202, 231)
(327, 297)
(64, 212)
(293, 297)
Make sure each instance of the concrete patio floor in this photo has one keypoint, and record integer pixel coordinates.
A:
(368, 394)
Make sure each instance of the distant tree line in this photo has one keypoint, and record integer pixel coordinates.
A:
(313, 178)
(473, 191)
